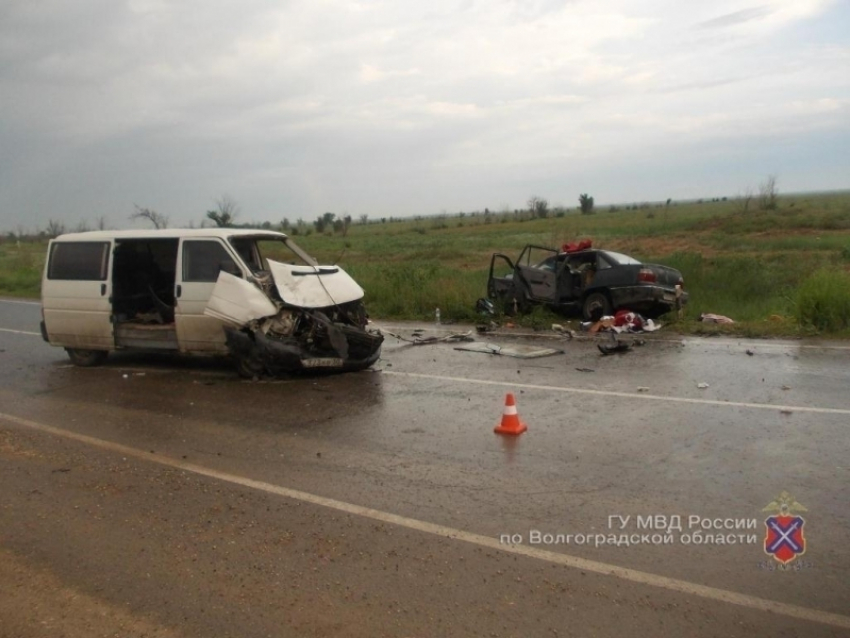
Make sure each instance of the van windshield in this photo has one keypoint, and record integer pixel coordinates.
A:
(256, 251)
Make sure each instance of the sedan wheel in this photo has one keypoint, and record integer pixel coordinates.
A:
(596, 305)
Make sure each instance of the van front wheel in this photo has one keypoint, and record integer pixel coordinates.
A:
(86, 358)
(248, 367)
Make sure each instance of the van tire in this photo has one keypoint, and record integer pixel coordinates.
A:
(248, 367)
(86, 358)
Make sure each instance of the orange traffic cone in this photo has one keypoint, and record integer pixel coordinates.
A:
(510, 419)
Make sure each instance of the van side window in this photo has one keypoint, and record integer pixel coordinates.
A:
(79, 261)
(202, 261)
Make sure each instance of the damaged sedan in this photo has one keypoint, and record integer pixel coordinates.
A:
(580, 279)
(253, 295)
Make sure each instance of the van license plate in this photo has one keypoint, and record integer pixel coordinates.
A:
(322, 363)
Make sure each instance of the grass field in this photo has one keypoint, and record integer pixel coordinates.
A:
(784, 271)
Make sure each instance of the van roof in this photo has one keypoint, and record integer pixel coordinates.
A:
(169, 233)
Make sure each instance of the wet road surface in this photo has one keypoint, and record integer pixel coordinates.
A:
(164, 496)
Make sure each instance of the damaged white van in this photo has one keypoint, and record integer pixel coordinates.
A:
(253, 295)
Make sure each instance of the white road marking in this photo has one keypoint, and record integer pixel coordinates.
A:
(574, 562)
(624, 395)
(26, 303)
(20, 332)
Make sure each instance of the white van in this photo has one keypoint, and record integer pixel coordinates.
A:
(203, 291)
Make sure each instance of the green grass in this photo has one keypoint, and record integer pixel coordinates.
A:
(823, 301)
(757, 267)
(20, 268)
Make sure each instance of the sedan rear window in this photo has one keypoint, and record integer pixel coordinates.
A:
(79, 261)
(621, 259)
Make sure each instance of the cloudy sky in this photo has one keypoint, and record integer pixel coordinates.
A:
(401, 107)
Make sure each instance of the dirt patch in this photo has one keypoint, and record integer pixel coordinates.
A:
(34, 602)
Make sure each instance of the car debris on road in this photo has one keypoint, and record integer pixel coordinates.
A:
(516, 351)
(418, 340)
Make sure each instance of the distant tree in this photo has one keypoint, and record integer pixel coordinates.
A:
(768, 194)
(324, 221)
(284, 224)
(225, 213)
(101, 223)
(157, 219)
(364, 219)
(744, 202)
(585, 202)
(346, 222)
(538, 206)
(54, 228)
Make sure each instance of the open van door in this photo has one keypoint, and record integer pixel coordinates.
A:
(75, 293)
(199, 263)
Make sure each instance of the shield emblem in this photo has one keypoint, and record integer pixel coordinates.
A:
(784, 540)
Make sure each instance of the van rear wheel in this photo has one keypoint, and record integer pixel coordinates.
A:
(86, 358)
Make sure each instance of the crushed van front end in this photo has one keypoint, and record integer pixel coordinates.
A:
(320, 340)
(299, 319)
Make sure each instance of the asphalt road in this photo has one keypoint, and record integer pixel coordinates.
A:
(163, 496)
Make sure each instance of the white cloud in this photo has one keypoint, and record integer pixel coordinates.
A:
(483, 85)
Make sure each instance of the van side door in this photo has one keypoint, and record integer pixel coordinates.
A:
(200, 261)
(75, 295)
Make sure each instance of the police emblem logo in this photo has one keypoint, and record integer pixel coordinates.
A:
(784, 539)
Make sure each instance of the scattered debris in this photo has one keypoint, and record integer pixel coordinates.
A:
(708, 317)
(485, 307)
(616, 348)
(600, 324)
(516, 351)
(786, 387)
(702, 386)
(750, 353)
(643, 389)
(418, 340)
(786, 412)
(628, 321)
(623, 321)
(585, 370)
(556, 327)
